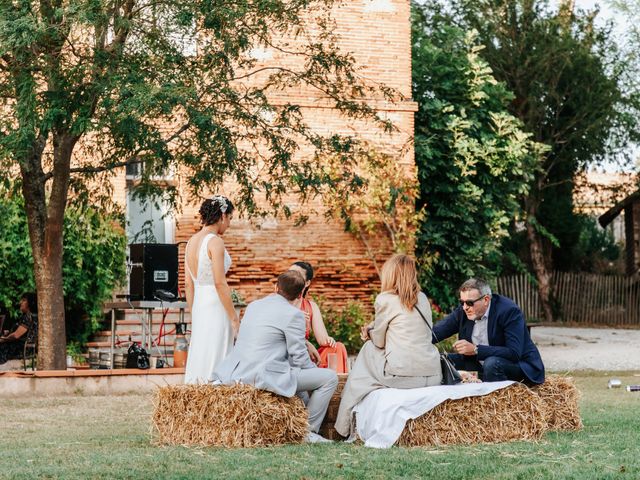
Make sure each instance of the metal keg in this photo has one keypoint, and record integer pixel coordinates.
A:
(94, 359)
(119, 360)
(105, 361)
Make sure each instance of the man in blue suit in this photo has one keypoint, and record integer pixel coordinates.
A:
(492, 336)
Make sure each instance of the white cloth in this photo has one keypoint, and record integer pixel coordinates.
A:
(211, 333)
(383, 414)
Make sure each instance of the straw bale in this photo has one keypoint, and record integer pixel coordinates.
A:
(226, 416)
(512, 413)
(560, 397)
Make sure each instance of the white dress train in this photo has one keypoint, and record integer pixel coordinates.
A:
(211, 333)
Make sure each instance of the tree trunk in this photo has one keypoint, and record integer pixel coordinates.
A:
(52, 339)
(536, 250)
(46, 221)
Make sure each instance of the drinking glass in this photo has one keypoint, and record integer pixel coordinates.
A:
(332, 361)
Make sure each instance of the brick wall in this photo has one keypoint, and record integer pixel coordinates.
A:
(377, 33)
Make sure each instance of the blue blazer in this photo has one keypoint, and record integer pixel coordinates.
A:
(508, 336)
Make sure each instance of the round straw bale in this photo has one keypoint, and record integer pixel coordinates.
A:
(226, 416)
(560, 398)
(512, 413)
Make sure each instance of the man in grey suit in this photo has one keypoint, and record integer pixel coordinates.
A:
(270, 352)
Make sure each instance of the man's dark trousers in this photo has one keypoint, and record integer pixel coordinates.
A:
(494, 369)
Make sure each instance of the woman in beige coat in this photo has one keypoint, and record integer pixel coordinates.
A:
(400, 353)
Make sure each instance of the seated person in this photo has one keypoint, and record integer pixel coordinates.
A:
(12, 345)
(400, 353)
(270, 352)
(493, 336)
(313, 317)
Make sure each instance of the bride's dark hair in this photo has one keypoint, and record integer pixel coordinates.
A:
(212, 209)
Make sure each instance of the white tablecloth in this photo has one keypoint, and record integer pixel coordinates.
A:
(382, 415)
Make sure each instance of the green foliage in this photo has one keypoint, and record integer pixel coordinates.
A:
(595, 251)
(383, 204)
(169, 83)
(475, 161)
(16, 262)
(445, 344)
(169, 86)
(574, 90)
(344, 324)
(93, 262)
(74, 350)
(93, 266)
(237, 298)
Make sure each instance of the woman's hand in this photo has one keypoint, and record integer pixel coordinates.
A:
(364, 332)
(235, 326)
(331, 342)
(313, 353)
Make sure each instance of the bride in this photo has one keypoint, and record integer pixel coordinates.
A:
(214, 322)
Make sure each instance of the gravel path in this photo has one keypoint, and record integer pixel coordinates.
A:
(588, 348)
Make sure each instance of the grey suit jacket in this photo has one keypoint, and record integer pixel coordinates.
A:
(270, 348)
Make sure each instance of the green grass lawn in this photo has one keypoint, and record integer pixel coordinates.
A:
(109, 437)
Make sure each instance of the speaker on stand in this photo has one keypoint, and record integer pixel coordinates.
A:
(154, 266)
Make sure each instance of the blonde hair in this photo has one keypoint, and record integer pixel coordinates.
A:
(400, 276)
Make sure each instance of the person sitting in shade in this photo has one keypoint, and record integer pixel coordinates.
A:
(493, 336)
(313, 317)
(12, 345)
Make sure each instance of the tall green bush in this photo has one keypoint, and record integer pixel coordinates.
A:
(93, 261)
(474, 160)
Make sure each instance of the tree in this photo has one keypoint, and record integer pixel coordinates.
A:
(573, 90)
(94, 85)
(475, 161)
(381, 209)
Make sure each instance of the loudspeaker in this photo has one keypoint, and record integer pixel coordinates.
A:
(154, 266)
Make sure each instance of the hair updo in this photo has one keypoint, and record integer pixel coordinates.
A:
(212, 209)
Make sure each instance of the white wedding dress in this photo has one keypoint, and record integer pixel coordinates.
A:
(211, 333)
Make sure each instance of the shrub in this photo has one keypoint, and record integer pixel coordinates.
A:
(93, 262)
(344, 324)
(446, 344)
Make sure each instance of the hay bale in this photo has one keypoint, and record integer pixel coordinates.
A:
(327, 429)
(226, 416)
(560, 398)
(512, 413)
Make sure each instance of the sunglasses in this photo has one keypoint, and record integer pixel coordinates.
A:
(471, 303)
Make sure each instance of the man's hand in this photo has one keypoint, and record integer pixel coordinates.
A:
(313, 353)
(464, 348)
